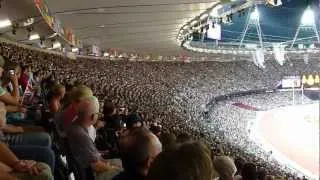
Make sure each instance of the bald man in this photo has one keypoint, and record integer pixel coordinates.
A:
(82, 146)
(138, 149)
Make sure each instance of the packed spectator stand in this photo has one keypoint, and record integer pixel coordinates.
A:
(167, 98)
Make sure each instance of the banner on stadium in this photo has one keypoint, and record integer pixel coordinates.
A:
(258, 58)
(28, 94)
(78, 43)
(279, 53)
(291, 82)
(228, 5)
(45, 12)
(311, 80)
(57, 26)
(246, 106)
(96, 50)
(214, 31)
(53, 22)
(68, 34)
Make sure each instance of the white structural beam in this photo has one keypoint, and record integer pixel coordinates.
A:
(253, 20)
(307, 23)
(245, 5)
(301, 27)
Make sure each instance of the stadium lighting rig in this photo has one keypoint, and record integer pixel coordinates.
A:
(257, 50)
(253, 20)
(307, 18)
(307, 22)
(34, 36)
(74, 49)
(255, 15)
(15, 26)
(56, 45)
(5, 23)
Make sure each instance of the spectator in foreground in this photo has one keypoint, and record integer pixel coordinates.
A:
(110, 116)
(183, 137)
(107, 139)
(26, 145)
(24, 77)
(39, 139)
(239, 162)
(156, 129)
(133, 121)
(65, 117)
(168, 140)
(249, 172)
(225, 167)
(57, 94)
(138, 150)
(11, 167)
(187, 161)
(12, 71)
(7, 98)
(81, 145)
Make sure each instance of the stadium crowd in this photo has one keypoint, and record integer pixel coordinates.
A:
(132, 120)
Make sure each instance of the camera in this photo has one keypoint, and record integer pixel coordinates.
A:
(11, 72)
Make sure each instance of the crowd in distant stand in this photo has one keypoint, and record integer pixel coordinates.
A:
(167, 97)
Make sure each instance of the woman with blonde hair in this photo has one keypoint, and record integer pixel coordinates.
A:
(66, 116)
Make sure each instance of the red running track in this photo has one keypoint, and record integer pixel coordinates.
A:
(298, 140)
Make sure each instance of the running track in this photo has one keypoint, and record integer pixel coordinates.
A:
(292, 139)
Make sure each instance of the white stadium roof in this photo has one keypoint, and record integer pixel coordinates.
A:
(145, 26)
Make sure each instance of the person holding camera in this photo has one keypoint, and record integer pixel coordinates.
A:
(17, 112)
(15, 135)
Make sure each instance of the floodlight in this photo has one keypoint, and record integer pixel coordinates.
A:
(304, 79)
(255, 14)
(28, 22)
(34, 36)
(310, 80)
(5, 23)
(317, 79)
(308, 17)
(74, 50)
(53, 35)
(56, 45)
